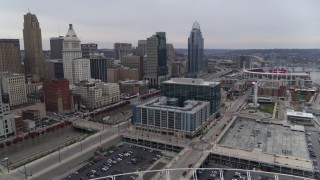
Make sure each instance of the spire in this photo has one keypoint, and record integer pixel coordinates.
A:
(71, 34)
(196, 25)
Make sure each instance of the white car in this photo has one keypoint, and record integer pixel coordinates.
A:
(5, 159)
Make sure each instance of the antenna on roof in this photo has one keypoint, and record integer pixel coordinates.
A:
(28, 10)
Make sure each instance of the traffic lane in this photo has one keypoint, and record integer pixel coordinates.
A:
(315, 137)
(158, 166)
(68, 152)
(125, 165)
(39, 145)
(67, 167)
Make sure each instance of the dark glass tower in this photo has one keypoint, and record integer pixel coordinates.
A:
(196, 66)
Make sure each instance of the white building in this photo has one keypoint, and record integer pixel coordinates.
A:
(302, 118)
(14, 86)
(96, 94)
(80, 70)
(71, 51)
(7, 123)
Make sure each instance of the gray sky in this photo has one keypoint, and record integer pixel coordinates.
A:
(224, 23)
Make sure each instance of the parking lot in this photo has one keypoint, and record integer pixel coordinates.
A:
(124, 159)
(313, 144)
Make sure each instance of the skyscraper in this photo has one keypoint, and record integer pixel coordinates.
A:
(122, 49)
(10, 57)
(142, 48)
(71, 50)
(34, 61)
(196, 66)
(56, 46)
(156, 62)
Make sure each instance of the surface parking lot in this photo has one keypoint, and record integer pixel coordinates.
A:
(124, 159)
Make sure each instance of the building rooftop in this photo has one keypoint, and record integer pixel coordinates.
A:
(273, 139)
(299, 114)
(190, 106)
(191, 81)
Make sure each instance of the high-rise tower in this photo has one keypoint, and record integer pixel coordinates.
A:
(71, 51)
(196, 66)
(156, 64)
(34, 61)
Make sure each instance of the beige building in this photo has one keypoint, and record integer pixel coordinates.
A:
(7, 121)
(14, 86)
(96, 94)
(178, 69)
(34, 61)
(80, 70)
(133, 62)
(41, 107)
(114, 75)
(10, 58)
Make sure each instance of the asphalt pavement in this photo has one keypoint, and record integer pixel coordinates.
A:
(121, 163)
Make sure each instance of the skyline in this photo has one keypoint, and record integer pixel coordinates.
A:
(225, 24)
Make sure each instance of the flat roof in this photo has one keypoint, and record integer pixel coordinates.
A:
(190, 106)
(300, 114)
(191, 81)
(266, 138)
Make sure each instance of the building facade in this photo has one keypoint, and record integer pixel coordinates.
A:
(10, 57)
(134, 87)
(141, 50)
(193, 89)
(80, 70)
(34, 61)
(121, 74)
(7, 123)
(54, 69)
(14, 86)
(156, 60)
(133, 62)
(163, 115)
(96, 94)
(56, 47)
(88, 49)
(196, 66)
(122, 49)
(71, 51)
(57, 96)
(98, 68)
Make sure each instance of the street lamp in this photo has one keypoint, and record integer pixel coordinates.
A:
(7, 160)
(59, 155)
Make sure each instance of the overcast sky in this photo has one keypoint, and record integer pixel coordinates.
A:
(235, 24)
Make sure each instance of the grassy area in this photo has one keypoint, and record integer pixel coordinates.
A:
(298, 97)
(268, 108)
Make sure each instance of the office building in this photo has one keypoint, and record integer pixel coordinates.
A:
(164, 116)
(99, 66)
(96, 94)
(196, 66)
(56, 47)
(133, 62)
(57, 96)
(10, 57)
(33, 115)
(134, 87)
(34, 61)
(71, 51)
(122, 49)
(80, 70)
(54, 69)
(7, 123)
(14, 86)
(121, 74)
(193, 89)
(156, 60)
(141, 49)
(88, 49)
(171, 57)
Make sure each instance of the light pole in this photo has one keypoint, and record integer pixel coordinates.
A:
(81, 146)
(7, 164)
(59, 155)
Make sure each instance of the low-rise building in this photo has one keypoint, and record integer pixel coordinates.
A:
(302, 118)
(134, 87)
(164, 115)
(33, 115)
(28, 125)
(96, 94)
(122, 73)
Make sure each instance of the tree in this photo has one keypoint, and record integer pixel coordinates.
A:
(42, 132)
(2, 145)
(26, 137)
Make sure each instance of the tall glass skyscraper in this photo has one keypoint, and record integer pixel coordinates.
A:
(196, 66)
